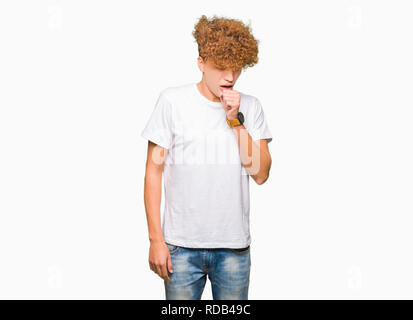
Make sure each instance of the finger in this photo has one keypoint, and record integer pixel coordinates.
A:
(164, 272)
(154, 268)
(159, 271)
(169, 262)
(229, 93)
(229, 98)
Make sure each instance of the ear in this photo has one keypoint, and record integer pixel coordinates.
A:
(200, 64)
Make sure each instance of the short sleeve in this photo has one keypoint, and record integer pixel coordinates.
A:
(260, 129)
(158, 128)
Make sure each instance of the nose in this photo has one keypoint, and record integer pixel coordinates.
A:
(229, 75)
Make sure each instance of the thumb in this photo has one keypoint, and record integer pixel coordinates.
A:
(169, 262)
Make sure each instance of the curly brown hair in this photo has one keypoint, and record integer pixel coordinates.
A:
(228, 43)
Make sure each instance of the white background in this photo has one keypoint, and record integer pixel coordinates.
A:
(79, 80)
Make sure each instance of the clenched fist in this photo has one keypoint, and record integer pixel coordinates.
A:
(230, 100)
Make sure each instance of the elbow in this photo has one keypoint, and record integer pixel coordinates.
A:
(262, 176)
(261, 180)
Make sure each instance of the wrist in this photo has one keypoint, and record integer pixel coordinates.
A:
(237, 121)
(237, 128)
(155, 240)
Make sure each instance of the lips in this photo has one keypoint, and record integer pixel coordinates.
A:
(226, 87)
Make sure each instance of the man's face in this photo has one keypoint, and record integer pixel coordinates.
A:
(217, 79)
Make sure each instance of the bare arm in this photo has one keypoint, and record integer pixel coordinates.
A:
(153, 190)
(255, 156)
(159, 256)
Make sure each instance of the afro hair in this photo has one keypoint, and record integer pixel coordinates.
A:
(228, 43)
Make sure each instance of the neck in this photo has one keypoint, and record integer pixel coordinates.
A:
(203, 88)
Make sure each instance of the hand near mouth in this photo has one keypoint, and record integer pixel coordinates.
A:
(230, 100)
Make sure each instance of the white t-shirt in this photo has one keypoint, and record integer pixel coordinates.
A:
(206, 187)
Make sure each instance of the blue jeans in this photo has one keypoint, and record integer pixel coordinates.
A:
(227, 269)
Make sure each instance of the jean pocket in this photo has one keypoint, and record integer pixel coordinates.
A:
(241, 250)
(172, 248)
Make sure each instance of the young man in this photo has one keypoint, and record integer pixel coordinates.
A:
(206, 139)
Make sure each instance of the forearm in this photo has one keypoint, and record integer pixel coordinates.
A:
(152, 197)
(256, 161)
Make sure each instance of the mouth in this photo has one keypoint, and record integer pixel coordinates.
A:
(226, 87)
